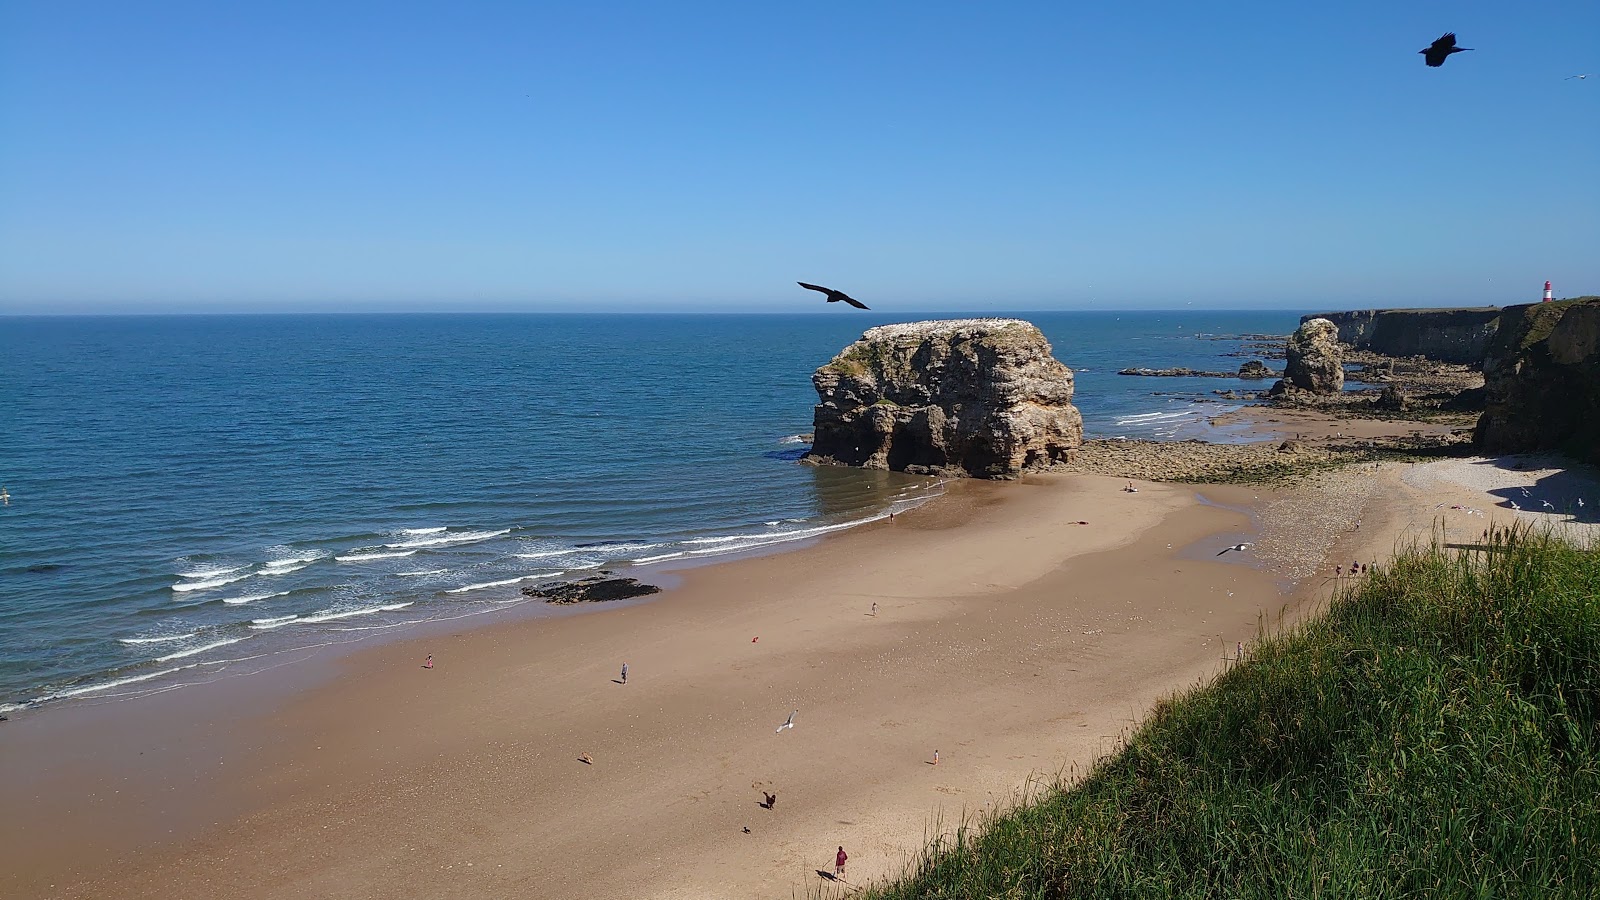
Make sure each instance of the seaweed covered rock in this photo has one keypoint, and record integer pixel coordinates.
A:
(965, 397)
(1255, 369)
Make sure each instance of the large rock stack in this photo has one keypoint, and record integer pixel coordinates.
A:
(1314, 365)
(978, 397)
(1542, 381)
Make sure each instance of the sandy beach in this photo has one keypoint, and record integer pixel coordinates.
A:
(1014, 641)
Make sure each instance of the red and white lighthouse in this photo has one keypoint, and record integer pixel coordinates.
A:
(1547, 295)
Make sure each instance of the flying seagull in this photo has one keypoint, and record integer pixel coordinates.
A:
(1579, 77)
(1439, 50)
(1239, 547)
(1547, 504)
(833, 295)
(788, 723)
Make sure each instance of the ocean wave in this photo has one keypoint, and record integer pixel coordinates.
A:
(200, 649)
(794, 439)
(345, 614)
(207, 585)
(105, 685)
(251, 598)
(645, 560)
(425, 572)
(434, 530)
(273, 622)
(289, 564)
(211, 572)
(371, 555)
(460, 537)
(501, 583)
(157, 639)
(1150, 418)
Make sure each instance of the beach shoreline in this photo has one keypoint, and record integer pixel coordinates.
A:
(1008, 638)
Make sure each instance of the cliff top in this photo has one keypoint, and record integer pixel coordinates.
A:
(886, 346)
(941, 328)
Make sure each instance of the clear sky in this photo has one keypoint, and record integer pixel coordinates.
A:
(202, 156)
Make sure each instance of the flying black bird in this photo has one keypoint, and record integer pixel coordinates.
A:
(833, 295)
(1239, 547)
(1439, 50)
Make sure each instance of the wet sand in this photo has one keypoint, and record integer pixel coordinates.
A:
(1013, 641)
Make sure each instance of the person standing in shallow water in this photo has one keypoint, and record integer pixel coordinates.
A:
(838, 863)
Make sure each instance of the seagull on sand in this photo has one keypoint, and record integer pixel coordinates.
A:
(1437, 52)
(787, 723)
(833, 295)
(1240, 547)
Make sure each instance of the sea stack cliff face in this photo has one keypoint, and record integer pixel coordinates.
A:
(1542, 381)
(962, 397)
(1447, 335)
(1314, 364)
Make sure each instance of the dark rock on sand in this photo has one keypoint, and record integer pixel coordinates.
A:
(595, 589)
(958, 397)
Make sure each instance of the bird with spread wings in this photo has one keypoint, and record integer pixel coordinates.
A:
(833, 295)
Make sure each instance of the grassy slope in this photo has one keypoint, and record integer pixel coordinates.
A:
(1432, 735)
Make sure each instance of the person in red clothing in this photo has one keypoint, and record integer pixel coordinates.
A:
(838, 863)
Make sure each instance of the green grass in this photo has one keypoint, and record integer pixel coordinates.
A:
(1432, 735)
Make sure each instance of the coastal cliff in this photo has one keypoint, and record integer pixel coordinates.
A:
(1446, 335)
(1542, 381)
(961, 397)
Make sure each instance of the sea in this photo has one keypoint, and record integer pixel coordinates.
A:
(192, 497)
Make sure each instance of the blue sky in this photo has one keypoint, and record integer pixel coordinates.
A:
(170, 157)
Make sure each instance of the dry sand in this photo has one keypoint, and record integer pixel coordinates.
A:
(1011, 640)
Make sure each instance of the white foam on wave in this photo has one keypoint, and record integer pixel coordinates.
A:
(793, 439)
(157, 639)
(208, 584)
(501, 583)
(211, 572)
(460, 537)
(251, 598)
(200, 649)
(290, 563)
(543, 554)
(435, 530)
(1150, 418)
(424, 572)
(645, 560)
(106, 685)
(345, 614)
(274, 622)
(366, 557)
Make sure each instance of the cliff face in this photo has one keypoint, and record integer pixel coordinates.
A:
(1542, 381)
(978, 397)
(1446, 335)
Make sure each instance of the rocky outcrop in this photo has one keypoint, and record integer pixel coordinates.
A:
(1313, 362)
(1542, 381)
(978, 397)
(1445, 335)
(1255, 369)
(1175, 372)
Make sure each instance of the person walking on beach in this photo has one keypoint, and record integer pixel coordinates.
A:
(838, 863)
(874, 608)
(428, 663)
(624, 673)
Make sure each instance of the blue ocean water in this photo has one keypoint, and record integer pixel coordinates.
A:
(191, 495)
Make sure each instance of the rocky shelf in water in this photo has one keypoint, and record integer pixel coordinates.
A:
(1250, 370)
(595, 589)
